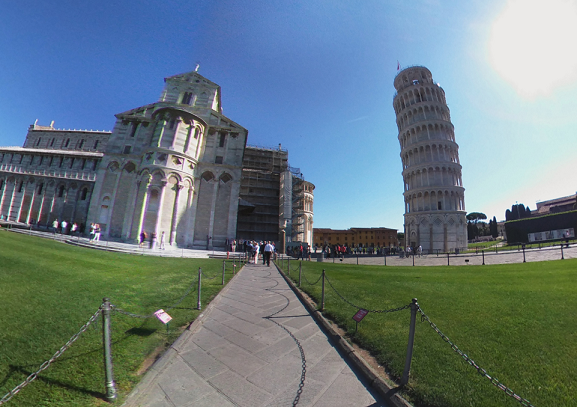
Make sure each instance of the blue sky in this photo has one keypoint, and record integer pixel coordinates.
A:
(317, 77)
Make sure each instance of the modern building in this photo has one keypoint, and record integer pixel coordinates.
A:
(172, 166)
(276, 203)
(356, 237)
(435, 216)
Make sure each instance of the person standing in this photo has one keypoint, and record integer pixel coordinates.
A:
(92, 227)
(97, 232)
(268, 250)
(162, 239)
(63, 226)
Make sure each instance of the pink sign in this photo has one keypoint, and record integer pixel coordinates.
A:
(360, 315)
(163, 316)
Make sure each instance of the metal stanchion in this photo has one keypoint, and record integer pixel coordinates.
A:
(198, 306)
(385, 259)
(562, 256)
(407, 370)
(448, 264)
(483, 252)
(106, 340)
(223, 267)
(300, 272)
(323, 293)
(524, 261)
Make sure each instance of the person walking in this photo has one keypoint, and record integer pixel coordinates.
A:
(268, 250)
(162, 239)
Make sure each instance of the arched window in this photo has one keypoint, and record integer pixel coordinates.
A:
(61, 191)
(84, 194)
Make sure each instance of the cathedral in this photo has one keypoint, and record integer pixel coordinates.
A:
(173, 166)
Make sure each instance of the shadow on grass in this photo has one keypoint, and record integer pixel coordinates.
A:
(21, 369)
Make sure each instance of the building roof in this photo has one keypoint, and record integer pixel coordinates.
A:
(25, 150)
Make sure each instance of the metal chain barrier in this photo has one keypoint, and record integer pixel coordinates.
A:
(358, 307)
(483, 372)
(46, 364)
(308, 282)
(130, 314)
(207, 277)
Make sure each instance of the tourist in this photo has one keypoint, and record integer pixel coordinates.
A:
(55, 225)
(142, 239)
(63, 225)
(96, 232)
(162, 238)
(268, 250)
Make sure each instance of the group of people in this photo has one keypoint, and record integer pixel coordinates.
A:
(152, 242)
(64, 227)
(95, 232)
(260, 250)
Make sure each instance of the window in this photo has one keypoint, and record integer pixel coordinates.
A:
(172, 123)
(52, 142)
(80, 144)
(61, 191)
(83, 163)
(186, 98)
(21, 186)
(61, 161)
(41, 160)
(84, 194)
(218, 159)
(439, 206)
(1, 183)
(71, 162)
(126, 150)
(40, 188)
(51, 160)
(96, 144)
(38, 141)
(67, 142)
(21, 158)
(222, 138)
(133, 131)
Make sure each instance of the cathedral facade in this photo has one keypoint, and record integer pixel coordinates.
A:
(172, 166)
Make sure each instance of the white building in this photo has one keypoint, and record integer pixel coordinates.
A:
(435, 216)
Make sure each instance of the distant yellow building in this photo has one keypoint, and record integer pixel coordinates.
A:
(353, 237)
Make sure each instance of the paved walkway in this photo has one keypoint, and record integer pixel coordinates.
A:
(256, 345)
(489, 257)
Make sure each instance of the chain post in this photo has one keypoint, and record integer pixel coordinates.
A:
(413, 257)
(289, 265)
(223, 267)
(414, 308)
(323, 293)
(524, 261)
(357, 259)
(448, 264)
(300, 272)
(483, 252)
(106, 340)
(198, 306)
(562, 256)
(385, 259)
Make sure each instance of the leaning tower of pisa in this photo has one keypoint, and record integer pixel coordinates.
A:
(435, 216)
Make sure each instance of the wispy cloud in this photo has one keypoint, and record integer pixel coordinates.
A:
(358, 119)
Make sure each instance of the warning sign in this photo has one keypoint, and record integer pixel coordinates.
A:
(163, 316)
(360, 315)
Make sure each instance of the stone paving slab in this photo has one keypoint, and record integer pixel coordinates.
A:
(233, 355)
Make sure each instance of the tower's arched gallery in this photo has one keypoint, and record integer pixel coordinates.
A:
(435, 216)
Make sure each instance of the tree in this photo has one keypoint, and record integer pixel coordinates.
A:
(494, 228)
(475, 217)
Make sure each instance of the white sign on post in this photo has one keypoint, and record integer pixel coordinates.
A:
(163, 316)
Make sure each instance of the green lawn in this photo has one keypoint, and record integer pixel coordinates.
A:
(48, 290)
(516, 321)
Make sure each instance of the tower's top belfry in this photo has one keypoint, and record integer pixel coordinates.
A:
(433, 187)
